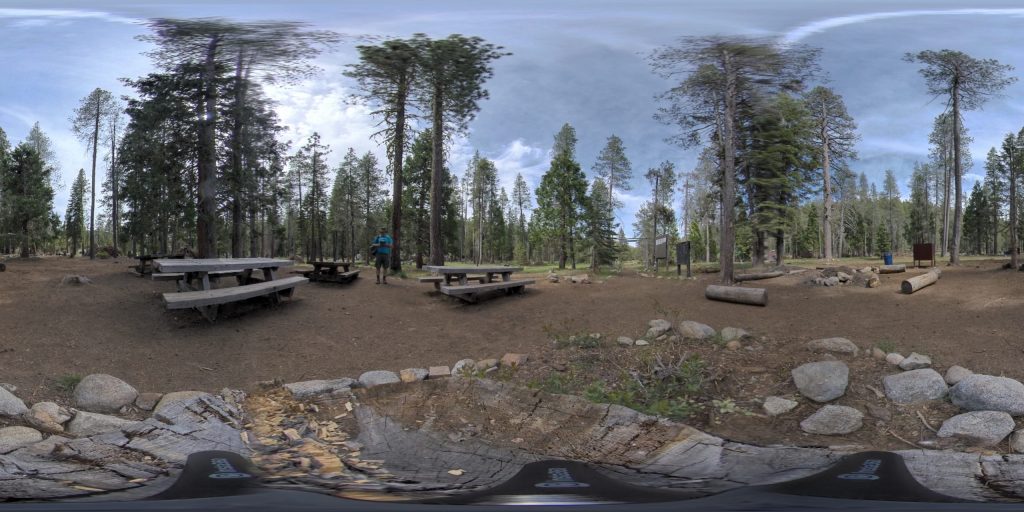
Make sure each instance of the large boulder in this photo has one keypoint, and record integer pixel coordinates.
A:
(696, 330)
(915, 361)
(12, 438)
(177, 396)
(658, 327)
(378, 377)
(10, 405)
(310, 388)
(985, 428)
(988, 393)
(822, 381)
(915, 386)
(88, 424)
(833, 420)
(835, 345)
(100, 392)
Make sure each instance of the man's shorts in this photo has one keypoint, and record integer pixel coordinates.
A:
(382, 260)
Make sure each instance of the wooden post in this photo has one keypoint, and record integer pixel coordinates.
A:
(914, 284)
(735, 294)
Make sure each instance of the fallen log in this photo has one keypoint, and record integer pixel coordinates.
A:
(892, 269)
(758, 275)
(735, 294)
(915, 283)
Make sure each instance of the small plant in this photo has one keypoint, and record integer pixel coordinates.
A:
(886, 346)
(555, 384)
(582, 340)
(67, 383)
(725, 406)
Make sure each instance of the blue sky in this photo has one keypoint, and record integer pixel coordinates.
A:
(580, 62)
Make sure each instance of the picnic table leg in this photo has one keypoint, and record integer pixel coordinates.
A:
(488, 277)
(463, 280)
(448, 279)
(506, 276)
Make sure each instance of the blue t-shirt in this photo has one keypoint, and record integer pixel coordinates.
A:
(382, 240)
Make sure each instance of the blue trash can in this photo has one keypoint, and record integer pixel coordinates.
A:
(888, 258)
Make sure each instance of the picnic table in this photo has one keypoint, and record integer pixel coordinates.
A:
(456, 280)
(195, 291)
(327, 271)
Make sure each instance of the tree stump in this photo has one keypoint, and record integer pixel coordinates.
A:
(737, 295)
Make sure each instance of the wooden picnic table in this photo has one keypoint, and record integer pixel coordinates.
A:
(194, 284)
(487, 275)
(327, 271)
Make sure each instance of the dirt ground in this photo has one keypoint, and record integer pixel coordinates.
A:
(118, 325)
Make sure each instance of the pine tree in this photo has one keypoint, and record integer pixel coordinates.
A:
(614, 168)
(560, 198)
(28, 196)
(600, 225)
(74, 220)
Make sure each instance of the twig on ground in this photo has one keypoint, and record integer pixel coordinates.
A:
(911, 443)
(926, 424)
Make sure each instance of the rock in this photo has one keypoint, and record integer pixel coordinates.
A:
(878, 353)
(984, 428)
(512, 359)
(775, 405)
(485, 364)
(12, 438)
(100, 392)
(463, 367)
(595, 335)
(915, 386)
(822, 381)
(1017, 441)
(843, 277)
(874, 281)
(865, 270)
(147, 401)
(836, 345)
(9, 387)
(734, 345)
(915, 361)
(673, 338)
(625, 341)
(658, 327)
(87, 424)
(833, 420)
(311, 388)
(552, 277)
(663, 337)
(642, 343)
(177, 396)
(378, 377)
(580, 279)
(75, 280)
(955, 374)
(831, 281)
(894, 358)
(436, 372)
(413, 374)
(47, 416)
(10, 405)
(695, 330)
(879, 412)
(987, 393)
(734, 333)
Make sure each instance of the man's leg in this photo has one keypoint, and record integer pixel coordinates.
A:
(386, 265)
(376, 263)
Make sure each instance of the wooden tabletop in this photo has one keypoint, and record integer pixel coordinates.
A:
(218, 264)
(471, 270)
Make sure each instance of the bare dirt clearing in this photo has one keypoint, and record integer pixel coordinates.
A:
(118, 325)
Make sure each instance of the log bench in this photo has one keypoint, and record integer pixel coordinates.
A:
(207, 301)
(176, 276)
(470, 292)
(437, 280)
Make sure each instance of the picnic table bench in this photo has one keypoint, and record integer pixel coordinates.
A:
(195, 275)
(327, 271)
(486, 277)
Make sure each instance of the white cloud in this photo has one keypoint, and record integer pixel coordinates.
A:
(816, 27)
(45, 16)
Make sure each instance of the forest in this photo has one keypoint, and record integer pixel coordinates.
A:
(195, 158)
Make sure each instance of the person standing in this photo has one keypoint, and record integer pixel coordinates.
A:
(382, 250)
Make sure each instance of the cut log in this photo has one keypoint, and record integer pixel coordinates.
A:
(752, 296)
(758, 275)
(914, 284)
(892, 269)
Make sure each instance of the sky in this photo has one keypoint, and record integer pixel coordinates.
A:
(581, 62)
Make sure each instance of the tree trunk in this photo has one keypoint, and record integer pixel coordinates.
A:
(726, 246)
(24, 239)
(436, 174)
(914, 284)
(780, 247)
(113, 178)
(737, 295)
(945, 204)
(396, 168)
(756, 276)
(827, 215)
(954, 251)
(92, 208)
(236, 156)
(206, 224)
